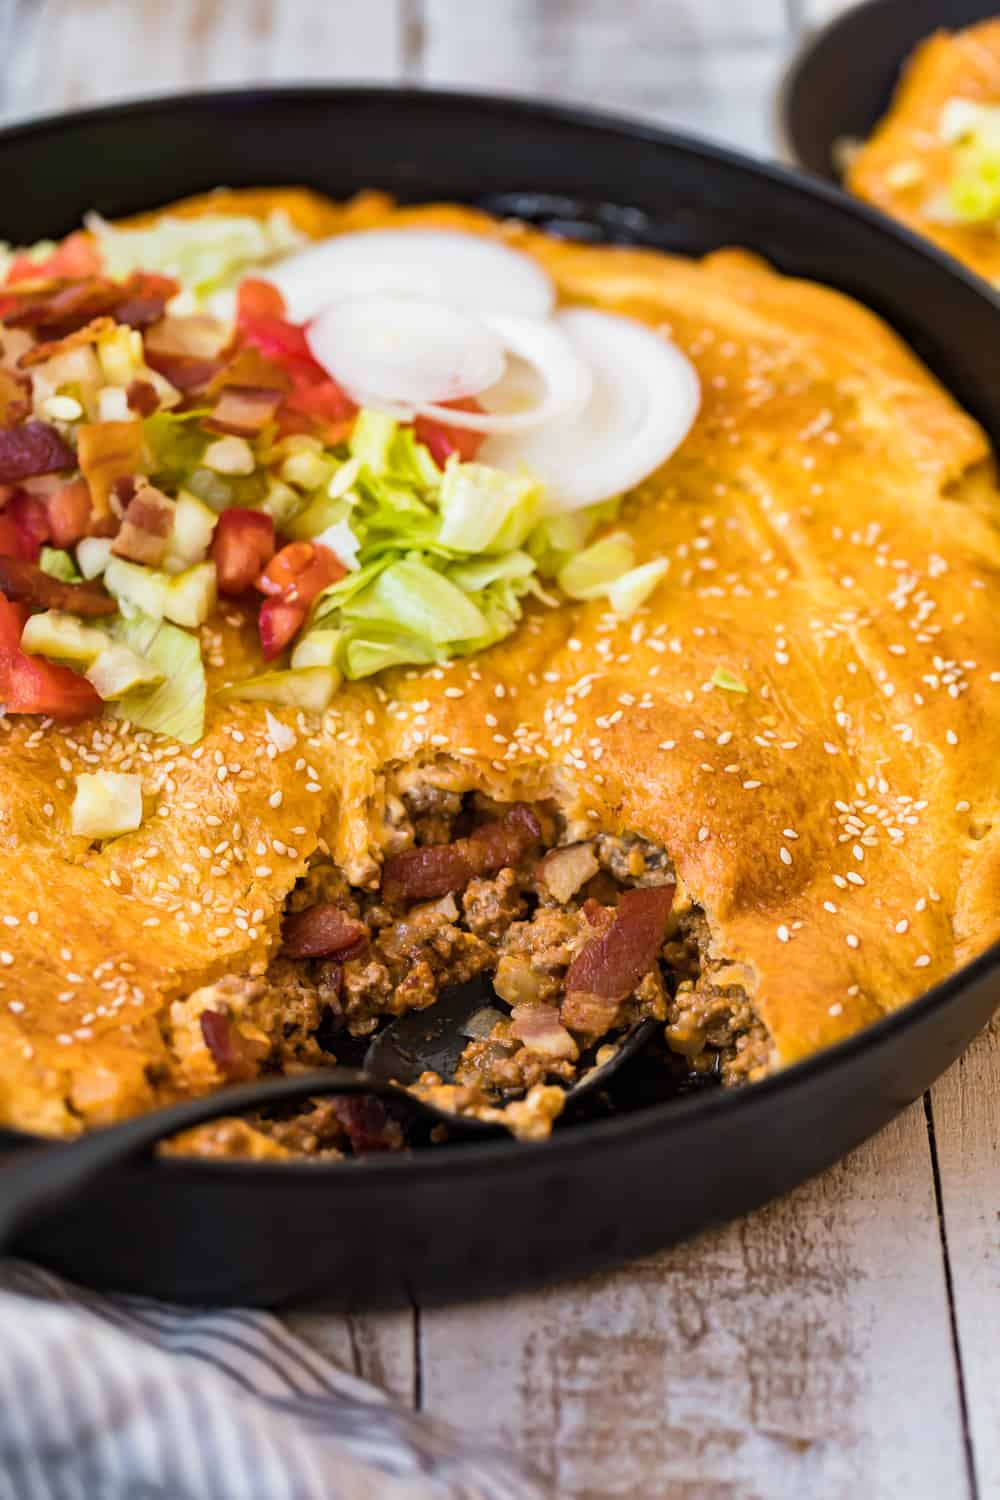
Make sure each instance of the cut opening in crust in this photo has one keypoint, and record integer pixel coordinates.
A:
(579, 939)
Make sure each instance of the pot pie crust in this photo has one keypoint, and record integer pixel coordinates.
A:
(830, 525)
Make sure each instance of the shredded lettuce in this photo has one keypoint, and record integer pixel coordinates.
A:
(590, 574)
(973, 131)
(177, 705)
(206, 254)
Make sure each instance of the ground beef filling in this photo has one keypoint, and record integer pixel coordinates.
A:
(580, 941)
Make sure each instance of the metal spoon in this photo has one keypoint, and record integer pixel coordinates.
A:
(34, 1178)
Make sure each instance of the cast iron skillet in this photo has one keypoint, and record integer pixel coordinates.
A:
(473, 1219)
(840, 83)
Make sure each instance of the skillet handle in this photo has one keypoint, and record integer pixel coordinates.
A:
(33, 1179)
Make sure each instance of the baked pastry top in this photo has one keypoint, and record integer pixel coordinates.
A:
(908, 164)
(831, 531)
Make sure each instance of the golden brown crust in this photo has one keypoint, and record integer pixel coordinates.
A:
(905, 164)
(831, 532)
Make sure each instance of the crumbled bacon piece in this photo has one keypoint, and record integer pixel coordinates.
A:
(15, 398)
(24, 583)
(38, 354)
(36, 448)
(611, 964)
(190, 373)
(439, 869)
(141, 397)
(146, 526)
(244, 410)
(236, 1056)
(323, 931)
(364, 1118)
(540, 1029)
(62, 309)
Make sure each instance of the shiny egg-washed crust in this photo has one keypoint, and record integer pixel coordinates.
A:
(905, 165)
(830, 526)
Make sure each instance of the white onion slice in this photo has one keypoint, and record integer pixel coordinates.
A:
(565, 377)
(645, 397)
(443, 265)
(404, 350)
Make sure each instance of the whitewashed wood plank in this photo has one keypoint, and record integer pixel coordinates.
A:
(64, 53)
(966, 1105)
(380, 1348)
(654, 61)
(805, 1351)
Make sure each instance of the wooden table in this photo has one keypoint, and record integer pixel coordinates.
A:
(844, 1342)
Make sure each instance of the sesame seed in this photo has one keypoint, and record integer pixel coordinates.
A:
(702, 834)
(922, 961)
(830, 907)
(667, 744)
(749, 786)
(852, 940)
(784, 935)
(902, 925)
(835, 1009)
(784, 855)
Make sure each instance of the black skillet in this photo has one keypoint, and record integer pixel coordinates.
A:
(475, 1218)
(840, 82)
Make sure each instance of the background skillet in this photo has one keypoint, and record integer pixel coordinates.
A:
(840, 82)
(479, 1219)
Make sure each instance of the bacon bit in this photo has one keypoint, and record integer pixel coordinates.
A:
(364, 1118)
(15, 398)
(138, 301)
(68, 510)
(199, 334)
(249, 367)
(244, 410)
(323, 931)
(142, 398)
(611, 965)
(31, 522)
(146, 526)
(88, 334)
(107, 451)
(236, 1056)
(36, 448)
(540, 1029)
(23, 582)
(440, 869)
(190, 373)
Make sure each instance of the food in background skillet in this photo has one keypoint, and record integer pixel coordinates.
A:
(934, 161)
(337, 671)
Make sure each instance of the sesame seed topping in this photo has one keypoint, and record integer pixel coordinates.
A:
(922, 962)
(784, 935)
(852, 940)
(784, 855)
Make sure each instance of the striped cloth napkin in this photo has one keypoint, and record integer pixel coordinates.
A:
(121, 1398)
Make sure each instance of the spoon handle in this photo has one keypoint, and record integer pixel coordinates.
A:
(35, 1178)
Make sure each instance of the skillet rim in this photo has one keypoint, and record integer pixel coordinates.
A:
(684, 1112)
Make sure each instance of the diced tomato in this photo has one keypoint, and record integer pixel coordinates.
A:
(69, 513)
(278, 622)
(292, 580)
(32, 685)
(300, 571)
(243, 544)
(261, 325)
(442, 440)
(76, 256)
(258, 299)
(31, 522)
